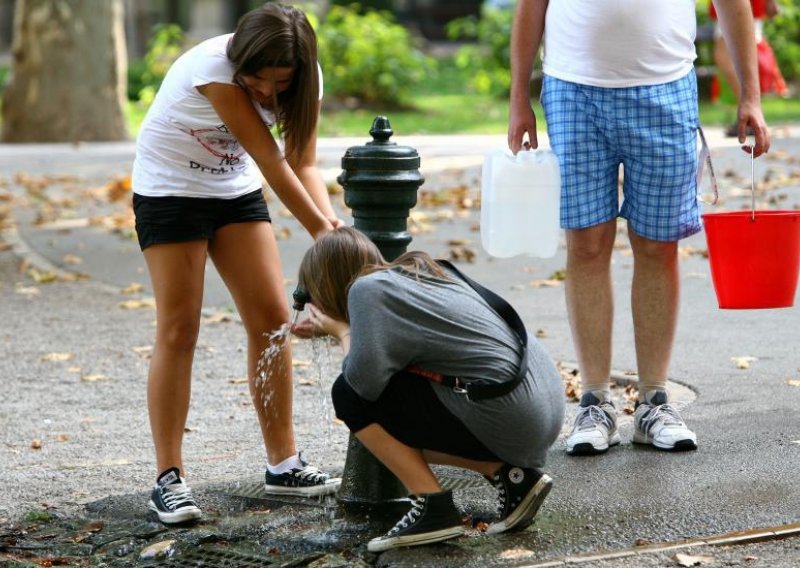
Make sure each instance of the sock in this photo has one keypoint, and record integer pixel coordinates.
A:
(290, 463)
(648, 392)
(602, 392)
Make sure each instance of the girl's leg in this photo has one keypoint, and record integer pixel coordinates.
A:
(406, 463)
(246, 256)
(486, 468)
(176, 271)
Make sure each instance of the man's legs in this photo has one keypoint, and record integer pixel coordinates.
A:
(590, 306)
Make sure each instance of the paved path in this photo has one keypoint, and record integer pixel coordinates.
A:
(89, 411)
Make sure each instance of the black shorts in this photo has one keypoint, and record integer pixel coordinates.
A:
(174, 219)
(410, 412)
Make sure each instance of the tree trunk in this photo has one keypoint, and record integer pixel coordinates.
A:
(69, 75)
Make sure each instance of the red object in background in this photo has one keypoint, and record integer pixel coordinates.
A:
(769, 74)
(759, 9)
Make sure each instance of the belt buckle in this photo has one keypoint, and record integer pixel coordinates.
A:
(459, 387)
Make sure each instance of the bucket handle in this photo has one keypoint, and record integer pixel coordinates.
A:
(752, 181)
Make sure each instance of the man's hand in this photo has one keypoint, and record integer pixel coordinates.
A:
(521, 121)
(750, 115)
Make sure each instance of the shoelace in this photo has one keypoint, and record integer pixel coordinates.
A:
(176, 494)
(589, 416)
(501, 488)
(409, 518)
(667, 414)
(312, 474)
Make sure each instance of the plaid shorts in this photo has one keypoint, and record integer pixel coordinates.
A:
(651, 130)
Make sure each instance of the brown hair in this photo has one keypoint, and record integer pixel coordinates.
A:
(275, 35)
(338, 258)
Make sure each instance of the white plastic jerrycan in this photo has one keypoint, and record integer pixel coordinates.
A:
(520, 197)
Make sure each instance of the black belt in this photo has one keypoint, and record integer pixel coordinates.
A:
(475, 388)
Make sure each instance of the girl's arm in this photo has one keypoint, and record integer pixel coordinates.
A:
(308, 174)
(236, 110)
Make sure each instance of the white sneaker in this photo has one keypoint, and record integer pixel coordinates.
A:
(659, 424)
(595, 428)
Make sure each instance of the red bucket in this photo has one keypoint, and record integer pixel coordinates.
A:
(754, 257)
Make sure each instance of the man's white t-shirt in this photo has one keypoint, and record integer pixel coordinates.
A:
(183, 147)
(619, 43)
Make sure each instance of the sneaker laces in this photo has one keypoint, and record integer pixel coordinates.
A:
(312, 474)
(668, 414)
(589, 416)
(501, 489)
(176, 494)
(410, 517)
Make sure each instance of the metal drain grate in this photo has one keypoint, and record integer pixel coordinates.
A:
(253, 488)
(214, 558)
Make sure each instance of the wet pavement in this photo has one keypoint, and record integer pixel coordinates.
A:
(72, 283)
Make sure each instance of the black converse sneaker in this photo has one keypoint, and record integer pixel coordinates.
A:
(521, 492)
(306, 481)
(172, 500)
(433, 517)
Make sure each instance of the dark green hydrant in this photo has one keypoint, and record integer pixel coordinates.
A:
(380, 181)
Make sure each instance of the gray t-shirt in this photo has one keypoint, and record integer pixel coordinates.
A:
(398, 320)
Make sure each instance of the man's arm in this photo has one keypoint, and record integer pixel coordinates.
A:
(736, 21)
(526, 36)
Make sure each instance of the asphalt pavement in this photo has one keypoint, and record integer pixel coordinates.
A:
(76, 326)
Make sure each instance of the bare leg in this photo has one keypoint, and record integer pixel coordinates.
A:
(590, 302)
(176, 271)
(483, 467)
(407, 463)
(722, 59)
(246, 256)
(654, 302)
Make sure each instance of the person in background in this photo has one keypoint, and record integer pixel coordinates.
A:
(432, 374)
(197, 193)
(770, 77)
(620, 89)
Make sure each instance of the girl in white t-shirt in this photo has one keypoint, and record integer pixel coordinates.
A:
(197, 193)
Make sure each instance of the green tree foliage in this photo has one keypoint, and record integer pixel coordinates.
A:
(145, 75)
(486, 61)
(783, 33)
(370, 57)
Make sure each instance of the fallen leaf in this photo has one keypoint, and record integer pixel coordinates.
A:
(552, 283)
(642, 542)
(74, 369)
(36, 444)
(62, 438)
(218, 317)
(132, 288)
(306, 382)
(72, 259)
(5, 246)
(559, 274)
(58, 357)
(337, 421)
(793, 382)
(93, 378)
(41, 277)
(136, 304)
(689, 560)
(300, 363)
(743, 362)
(240, 381)
(143, 349)
(27, 290)
(540, 333)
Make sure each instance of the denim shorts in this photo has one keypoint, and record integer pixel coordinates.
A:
(651, 130)
(174, 219)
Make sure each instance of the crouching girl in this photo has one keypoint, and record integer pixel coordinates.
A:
(432, 374)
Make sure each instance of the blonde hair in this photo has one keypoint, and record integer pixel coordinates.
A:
(338, 258)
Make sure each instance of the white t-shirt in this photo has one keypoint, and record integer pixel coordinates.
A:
(619, 43)
(183, 147)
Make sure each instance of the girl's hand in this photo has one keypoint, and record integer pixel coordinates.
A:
(322, 323)
(337, 223)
